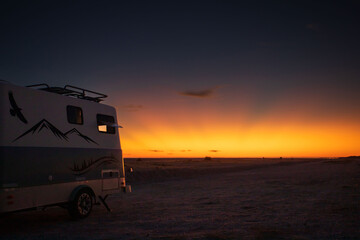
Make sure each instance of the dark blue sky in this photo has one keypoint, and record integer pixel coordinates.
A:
(197, 43)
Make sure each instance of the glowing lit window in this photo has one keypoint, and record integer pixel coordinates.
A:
(102, 128)
(104, 123)
(74, 115)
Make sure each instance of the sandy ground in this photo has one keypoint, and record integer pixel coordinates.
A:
(216, 199)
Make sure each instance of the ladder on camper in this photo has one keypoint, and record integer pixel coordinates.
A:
(71, 91)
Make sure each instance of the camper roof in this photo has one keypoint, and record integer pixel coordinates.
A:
(71, 91)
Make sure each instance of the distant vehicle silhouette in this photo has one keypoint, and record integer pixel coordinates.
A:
(16, 111)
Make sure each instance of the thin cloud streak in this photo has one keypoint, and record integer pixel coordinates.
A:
(207, 93)
(157, 151)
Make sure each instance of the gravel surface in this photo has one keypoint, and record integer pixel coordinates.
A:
(216, 199)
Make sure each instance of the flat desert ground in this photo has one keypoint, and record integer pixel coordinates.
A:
(215, 199)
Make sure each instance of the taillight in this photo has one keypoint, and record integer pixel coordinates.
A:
(122, 182)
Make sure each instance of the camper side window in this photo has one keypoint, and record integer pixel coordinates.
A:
(74, 115)
(105, 123)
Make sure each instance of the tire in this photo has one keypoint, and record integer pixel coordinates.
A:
(82, 204)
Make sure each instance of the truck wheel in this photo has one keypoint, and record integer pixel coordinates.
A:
(82, 204)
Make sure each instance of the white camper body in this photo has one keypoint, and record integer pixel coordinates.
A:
(56, 149)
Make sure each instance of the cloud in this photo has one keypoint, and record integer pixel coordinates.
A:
(206, 93)
(185, 150)
(155, 150)
(132, 107)
(214, 151)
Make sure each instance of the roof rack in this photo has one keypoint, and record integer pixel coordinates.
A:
(71, 91)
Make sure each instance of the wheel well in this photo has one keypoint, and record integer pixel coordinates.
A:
(80, 188)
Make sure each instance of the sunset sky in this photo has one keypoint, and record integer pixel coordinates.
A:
(201, 78)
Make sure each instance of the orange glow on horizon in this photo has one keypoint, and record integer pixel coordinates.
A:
(196, 128)
(261, 140)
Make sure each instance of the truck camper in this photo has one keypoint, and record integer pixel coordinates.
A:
(59, 146)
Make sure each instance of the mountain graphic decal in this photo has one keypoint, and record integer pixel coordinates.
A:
(46, 125)
(43, 124)
(75, 131)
